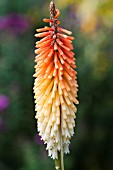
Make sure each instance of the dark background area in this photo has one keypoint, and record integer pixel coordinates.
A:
(92, 26)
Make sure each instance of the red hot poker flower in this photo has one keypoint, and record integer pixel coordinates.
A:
(55, 85)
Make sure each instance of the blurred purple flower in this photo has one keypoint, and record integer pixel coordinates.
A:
(15, 23)
(37, 140)
(1, 124)
(72, 17)
(4, 102)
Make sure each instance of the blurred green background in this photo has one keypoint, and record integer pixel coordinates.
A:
(92, 25)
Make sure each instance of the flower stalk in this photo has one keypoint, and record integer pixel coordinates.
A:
(58, 162)
(55, 87)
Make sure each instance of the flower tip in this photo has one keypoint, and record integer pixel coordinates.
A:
(36, 35)
(51, 3)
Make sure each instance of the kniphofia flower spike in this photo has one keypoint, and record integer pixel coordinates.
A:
(55, 85)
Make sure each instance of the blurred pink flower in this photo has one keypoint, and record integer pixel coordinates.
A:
(4, 102)
(73, 20)
(15, 23)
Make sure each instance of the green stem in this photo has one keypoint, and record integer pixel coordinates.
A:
(59, 163)
(62, 152)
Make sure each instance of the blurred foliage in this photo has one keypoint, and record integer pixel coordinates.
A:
(92, 26)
